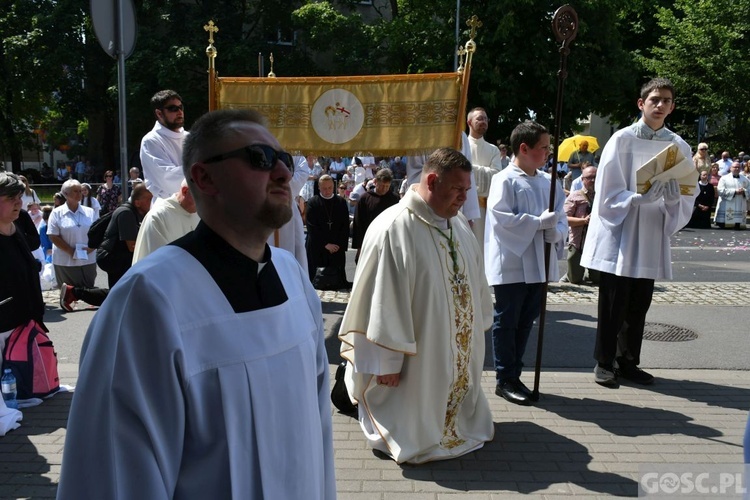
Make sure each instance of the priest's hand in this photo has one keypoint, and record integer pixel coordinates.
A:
(390, 380)
(332, 248)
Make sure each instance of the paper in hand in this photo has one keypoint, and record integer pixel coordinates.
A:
(81, 253)
(670, 163)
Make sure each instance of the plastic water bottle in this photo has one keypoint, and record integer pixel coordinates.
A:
(9, 389)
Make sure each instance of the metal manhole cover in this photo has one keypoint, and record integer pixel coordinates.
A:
(663, 332)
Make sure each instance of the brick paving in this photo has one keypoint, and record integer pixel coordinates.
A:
(683, 293)
(580, 440)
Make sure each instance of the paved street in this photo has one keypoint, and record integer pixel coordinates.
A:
(580, 439)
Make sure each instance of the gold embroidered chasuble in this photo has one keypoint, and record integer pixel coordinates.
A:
(419, 307)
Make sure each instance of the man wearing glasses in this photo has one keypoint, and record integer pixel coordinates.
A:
(161, 148)
(207, 363)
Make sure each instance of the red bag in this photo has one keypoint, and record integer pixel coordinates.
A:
(30, 355)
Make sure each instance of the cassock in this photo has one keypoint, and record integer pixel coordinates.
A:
(164, 223)
(627, 240)
(327, 222)
(161, 158)
(419, 311)
(369, 206)
(203, 375)
(701, 219)
(732, 207)
(485, 163)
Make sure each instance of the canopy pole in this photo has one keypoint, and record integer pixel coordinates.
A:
(211, 53)
(565, 28)
(463, 77)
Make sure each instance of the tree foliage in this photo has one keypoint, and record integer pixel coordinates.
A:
(703, 49)
(55, 77)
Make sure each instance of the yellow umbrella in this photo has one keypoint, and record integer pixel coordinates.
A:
(571, 145)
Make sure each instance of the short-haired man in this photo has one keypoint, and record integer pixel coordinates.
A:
(161, 148)
(629, 232)
(370, 205)
(485, 161)
(579, 158)
(167, 221)
(725, 163)
(520, 223)
(578, 210)
(413, 332)
(207, 364)
(115, 255)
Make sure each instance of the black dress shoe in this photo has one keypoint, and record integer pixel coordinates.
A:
(521, 387)
(511, 393)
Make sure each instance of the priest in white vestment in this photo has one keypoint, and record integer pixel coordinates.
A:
(733, 188)
(486, 161)
(413, 333)
(204, 374)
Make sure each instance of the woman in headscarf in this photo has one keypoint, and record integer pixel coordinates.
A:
(67, 228)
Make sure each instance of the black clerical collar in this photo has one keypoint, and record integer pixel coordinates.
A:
(235, 274)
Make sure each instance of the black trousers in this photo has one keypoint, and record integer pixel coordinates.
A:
(623, 304)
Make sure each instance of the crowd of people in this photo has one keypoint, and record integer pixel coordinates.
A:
(231, 373)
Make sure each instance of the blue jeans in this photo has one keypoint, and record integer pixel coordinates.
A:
(517, 305)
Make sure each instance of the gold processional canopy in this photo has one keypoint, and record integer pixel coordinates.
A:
(382, 115)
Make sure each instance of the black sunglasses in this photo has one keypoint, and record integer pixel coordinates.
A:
(174, 108)
(259, 156)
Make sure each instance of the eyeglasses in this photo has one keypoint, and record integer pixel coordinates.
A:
(589, 177)
(259, 156)
(702, 149)
(174, 108)
(110, 176)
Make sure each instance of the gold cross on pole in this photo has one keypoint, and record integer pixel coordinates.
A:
(474, 23)
(211, 28)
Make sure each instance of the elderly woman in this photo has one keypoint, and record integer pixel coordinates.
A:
(20, 291)
(89, 200)
(109, 194)
(701, 160)
(67, 228)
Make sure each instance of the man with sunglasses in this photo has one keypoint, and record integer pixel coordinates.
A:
(161, 148)
(207, 363)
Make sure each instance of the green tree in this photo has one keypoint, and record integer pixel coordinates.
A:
(703, 50)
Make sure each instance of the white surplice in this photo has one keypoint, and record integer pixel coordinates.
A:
(514, 245)
(624, 239)
(180, 397)
(410, 314)
(161, 158)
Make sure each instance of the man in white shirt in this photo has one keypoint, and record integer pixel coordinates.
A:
(485, 161)
(161, 148)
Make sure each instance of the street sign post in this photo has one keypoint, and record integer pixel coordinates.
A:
(115, 28)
